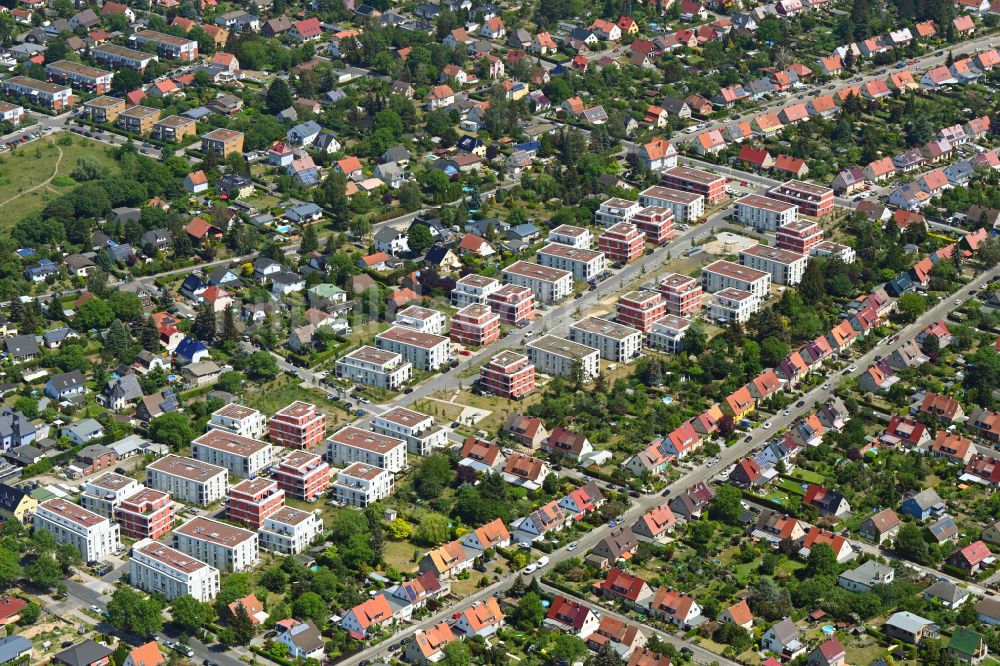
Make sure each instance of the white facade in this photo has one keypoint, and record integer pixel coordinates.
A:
(846, 253)
(349, 445)
(240, 420)
(567, 234)
(547, 284)
(733, 305)
(585, 265)
(785, 267)
(421, 319)
(94, 536)
(763, 213)
(557, 357)
(375, 367)
(727, 275)
(424, 350)
(615, 210)
(223, 546)
(422, 437)
(614, 341)
(362, 485)
(473, 289)
(160, 569)
(290, 531)
(686, 206)
(188, 480)
(103, 494)
(668, 334)
(242, 456)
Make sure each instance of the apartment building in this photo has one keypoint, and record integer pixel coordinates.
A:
(845, 253)
(681, 295)
(547, 284)
(297, 426)
(567, 234)
(686, 206)
(105, 493)
(799, 236)
(250, 501)
(764, 213)
(120, 57)
(147, 514)
(422, 437)
(812, 200)
(421, 319)
(168, 46)
(507, 375)
(616, 210)
(223, 142)
(723, 274)
(159, 569)
(303, 475)
(94, 536)
(786, 267)
(585, 265)
(514, 304)
(138, 119)
(349, 445)
(615, 342)
(425, 351)
(188, 480)
(104, 109)
(622, 242)
(374, 367)
(50, 95)
(12, 113)
(732, 305)
(696, 181)
(242, 456)
(667, 334)
(656, 223)
(91, 79)
(174, 129)
(641, 309)
(472, 289)
(222, 546)
(290, 531)
(560, 358)
(362, 485)
(239, 420)
(475, 326)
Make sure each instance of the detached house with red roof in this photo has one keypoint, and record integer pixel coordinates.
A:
(366, 615)
(655, 525)
(827, 502)
(738, 614)
(626, 587)
(572, 445)
(954, 447)
(972, 559)
(571, 617)
(657, 155)
(483, 619)
(739, 403)
(308, 30)
(674, 607)
(583, 501)
(943, 407)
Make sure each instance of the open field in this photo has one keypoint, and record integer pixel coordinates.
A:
(26, 173)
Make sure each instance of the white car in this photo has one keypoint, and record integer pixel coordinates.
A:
(530, 569)
(826, 386)
(958, 301)
(95, 608)
(767, 425)
(572, 546)
(852, 368)
(542, 561)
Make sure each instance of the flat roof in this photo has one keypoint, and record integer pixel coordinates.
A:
(145, 495)
(403, 416)
(766, 203)
(362, 471)
(254, 486)
(606, 328)
(297, 409)
(111, 481)
(77, 68)
(799, 226)
(641, 297)
(228, 442)
(803, 188)
(674, 322)
(694, 175)
(476, 312)
(104, 102)
(35, 84)
(417, 312)
(734, 271)
(364, 439)
(123, 51)
(619, 202)
(775, 254)
(73, 513)
(621, 229)
(409, 336)
(670, 194)
(221, 134)
(300, 459)
(570, 252)
(373, 355)
(543, 273)
(510, 290)
(287, 515)
(187, 468)
(678, 281)
(140, 111)
(474, 280)
(569, 230)
(562, 347)
(175, 121)
(170, 557)
(152, 35)
(235, 411)
(508, 358)
(206, 529)
(734, 294)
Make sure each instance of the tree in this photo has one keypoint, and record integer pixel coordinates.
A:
(567, 649)
(261, 367)
(188, 614)
(310, 606)
(310, 241)
(125, 305)
(29, 614)
(822, 561)
(813, 284)
(433, 530)
(119, 341)
(434, 476)
(173, 429)
(909, 543)
(529, 612)
(279, 96)
(44, 571)
(87, 168)
(400, 529)
(10, 567)
(419, 239)
(725, 507)
(229, 331)
(130, 610)
(911, 306)
(695, 340)
(608, 656)
(204, 323)
(67, 556)
(457, 653)
(773, 351)
(94, 314)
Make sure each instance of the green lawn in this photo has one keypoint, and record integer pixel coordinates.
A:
(790, 486)
(26, 173)
(807, 476)
(284, 390)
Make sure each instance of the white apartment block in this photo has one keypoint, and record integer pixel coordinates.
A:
(472, 289)
(422, 437)
(159, 569)
(223, 546)
(764, 213)
(667, 334)
(421, 319)
(424, 350)
(375, 367)
(105, 493)
(786, 267)
(239, 420)
(94, 536)
(242, 456)
(732, 305)
(725, 274)
(585, 265)
(188, 480)
(290, 531)
(577, 237)
(349, 445)
(687, 206)
(846, 253)
(615, 342)
(615, 210)
(362, 485)
(547, 284)
(557, 357)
